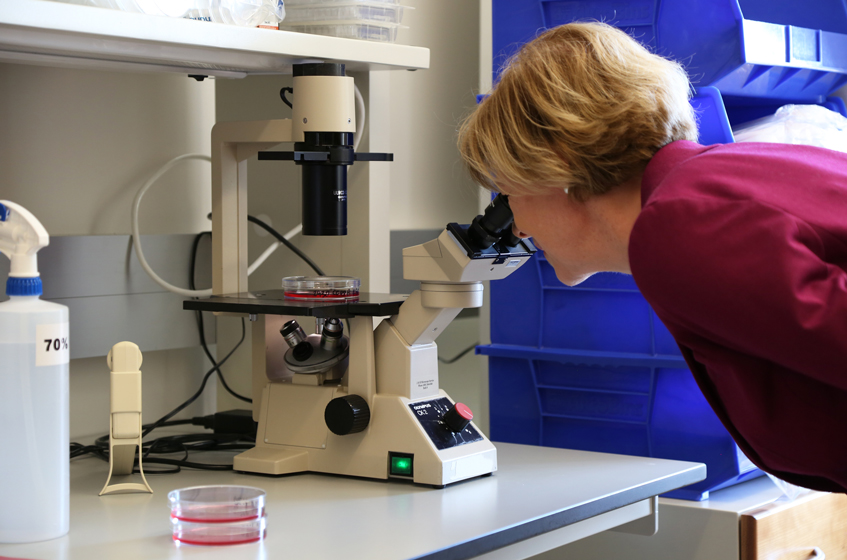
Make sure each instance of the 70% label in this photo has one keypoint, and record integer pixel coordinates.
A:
(56, 344)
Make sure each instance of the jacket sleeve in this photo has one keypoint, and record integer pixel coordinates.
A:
(747, 277)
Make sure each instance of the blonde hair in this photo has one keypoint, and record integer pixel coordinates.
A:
(583, 106)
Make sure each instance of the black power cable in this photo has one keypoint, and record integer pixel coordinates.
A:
(194, 442)
(194, 397)
(201, 326)
(101, 445)
(459, 355)
(184, 443)
(287, 243)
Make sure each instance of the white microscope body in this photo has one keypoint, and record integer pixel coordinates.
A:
(386, 416)
(391, 419)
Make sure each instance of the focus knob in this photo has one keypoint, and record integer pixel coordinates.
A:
(347, 415)
(458, 417)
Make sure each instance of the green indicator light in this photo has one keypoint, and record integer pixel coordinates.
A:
(401, 466)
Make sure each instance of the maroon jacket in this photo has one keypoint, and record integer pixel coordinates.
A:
(741, 249)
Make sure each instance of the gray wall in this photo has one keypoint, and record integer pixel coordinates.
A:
(429, 186)
(74, 148)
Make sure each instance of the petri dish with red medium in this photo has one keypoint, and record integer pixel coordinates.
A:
(321, 288)
(218, 515)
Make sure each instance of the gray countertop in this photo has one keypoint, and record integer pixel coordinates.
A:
(536, 491)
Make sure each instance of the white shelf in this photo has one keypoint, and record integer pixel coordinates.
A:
(57, 34)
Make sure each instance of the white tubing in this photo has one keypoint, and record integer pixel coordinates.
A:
(360, 121)
(136, 236)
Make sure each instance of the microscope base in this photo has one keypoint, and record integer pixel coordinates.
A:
(264, 460)
(404, 439)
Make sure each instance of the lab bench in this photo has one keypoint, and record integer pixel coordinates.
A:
(538, 500)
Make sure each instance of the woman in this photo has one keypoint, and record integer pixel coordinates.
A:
(741, 249)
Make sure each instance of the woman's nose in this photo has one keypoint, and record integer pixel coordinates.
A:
(518, 233)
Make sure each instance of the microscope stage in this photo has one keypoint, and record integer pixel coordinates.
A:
(273, 302)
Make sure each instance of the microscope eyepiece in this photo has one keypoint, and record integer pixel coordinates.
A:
(493, 225)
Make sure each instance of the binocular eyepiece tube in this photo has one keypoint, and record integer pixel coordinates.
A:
(494, 225)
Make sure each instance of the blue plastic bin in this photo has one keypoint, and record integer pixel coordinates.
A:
(592, 367)
(647, 408)
(794, 51)
(606, 313)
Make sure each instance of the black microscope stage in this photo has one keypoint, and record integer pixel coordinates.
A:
(273, 302)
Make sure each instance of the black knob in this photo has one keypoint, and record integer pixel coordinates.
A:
(347, 415)
(458, 417)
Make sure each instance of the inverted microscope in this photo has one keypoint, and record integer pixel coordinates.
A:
(365, 404)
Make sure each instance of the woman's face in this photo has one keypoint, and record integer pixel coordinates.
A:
(565, 230)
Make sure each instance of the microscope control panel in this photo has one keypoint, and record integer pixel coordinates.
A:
(435, 417)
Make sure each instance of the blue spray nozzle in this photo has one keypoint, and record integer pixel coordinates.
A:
(24, 286)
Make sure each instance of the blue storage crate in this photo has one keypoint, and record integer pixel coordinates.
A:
(606, 313)
(627, 405)
(712, 118)
(592, 367)
(792, 51)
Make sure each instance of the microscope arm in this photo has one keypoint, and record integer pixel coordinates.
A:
(428, 311)
(233, 143)
(451, 275)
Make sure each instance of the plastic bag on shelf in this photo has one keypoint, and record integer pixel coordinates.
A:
(170, 8)
(811, 125)
(245, 13)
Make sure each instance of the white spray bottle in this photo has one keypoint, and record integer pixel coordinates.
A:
(34, 357)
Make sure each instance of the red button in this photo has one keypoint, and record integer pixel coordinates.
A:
(464, 411)
(458, 417)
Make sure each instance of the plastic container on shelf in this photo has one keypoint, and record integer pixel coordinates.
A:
(244, 13)
(169, 8)
(292, 3)
(370, 31)
(792, 51)
(346, 11)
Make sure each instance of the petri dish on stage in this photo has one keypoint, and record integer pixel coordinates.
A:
(217, 515)
(321, 288)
